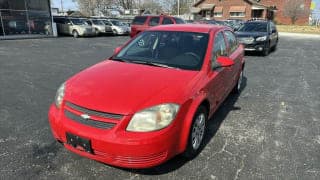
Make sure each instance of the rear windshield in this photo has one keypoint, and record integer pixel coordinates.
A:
(179, 21)
(139, 20)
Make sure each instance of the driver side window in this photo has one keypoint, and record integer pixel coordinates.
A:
(219, 47)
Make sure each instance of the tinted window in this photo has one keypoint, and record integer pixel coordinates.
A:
(219, 47)
(97, 22)
(78, 21)
(167, 21)
(89, 22)
(139, 20)
(232, 41)
(166, 48)
(253, 27)
(59, 20)
(154, 21)
(179, 21)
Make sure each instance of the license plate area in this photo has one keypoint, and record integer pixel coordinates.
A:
(79, 143)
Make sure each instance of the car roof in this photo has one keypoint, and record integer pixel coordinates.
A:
(200, 28)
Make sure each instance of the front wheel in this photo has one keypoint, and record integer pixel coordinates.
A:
(266, 49)
(75, 34)
(115, 32)
(197, 133)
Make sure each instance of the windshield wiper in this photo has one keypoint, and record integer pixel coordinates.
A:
(153, 64)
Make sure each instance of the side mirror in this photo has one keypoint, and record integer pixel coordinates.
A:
(117, 50)
(222, 61)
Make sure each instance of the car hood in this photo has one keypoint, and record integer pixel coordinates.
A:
(125, 88)
(251, 34)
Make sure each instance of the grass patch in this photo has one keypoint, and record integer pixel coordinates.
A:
(299, 29)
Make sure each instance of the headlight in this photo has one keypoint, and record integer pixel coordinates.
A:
(59, 95)
(154, 118)
(262, 38)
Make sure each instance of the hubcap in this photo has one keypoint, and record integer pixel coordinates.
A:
(198, 131)
(240, 80)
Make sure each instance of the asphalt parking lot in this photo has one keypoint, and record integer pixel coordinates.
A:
(270, 131)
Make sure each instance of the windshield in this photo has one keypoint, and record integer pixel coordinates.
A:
(78, 21)
(253, 27)
(183, 50)
(97, 22)
(117, 23)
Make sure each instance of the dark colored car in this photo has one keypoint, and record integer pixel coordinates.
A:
(141, 23)
(259, 36)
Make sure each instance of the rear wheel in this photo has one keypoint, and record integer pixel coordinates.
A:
(197, 133)
(237, 87)
(75, 34)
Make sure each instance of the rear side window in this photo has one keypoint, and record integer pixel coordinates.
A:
(139, 20)
(167, 21)
(179, 21)
(232, 41)
(154, 21)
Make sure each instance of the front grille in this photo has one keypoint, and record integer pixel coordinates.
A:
(88, 122)
(94, 113)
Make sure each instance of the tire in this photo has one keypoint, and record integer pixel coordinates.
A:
(238, 86)
(266, 50)
(115, 32)
(274, 48)
(75, 34)
(196, 133)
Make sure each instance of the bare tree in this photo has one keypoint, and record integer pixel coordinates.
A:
(152, 6)
(295, 9)
(127, 4)
(90, 7)
(184, 7)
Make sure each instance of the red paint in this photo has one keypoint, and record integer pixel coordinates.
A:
(124, 88)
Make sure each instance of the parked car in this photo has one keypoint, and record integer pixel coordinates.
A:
(141, 23)
(259, 36)
(118, 27)
(99, 26)
(152, 99)
(73, 26)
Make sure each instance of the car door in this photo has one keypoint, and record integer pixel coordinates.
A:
(217, 84)
(234, 53)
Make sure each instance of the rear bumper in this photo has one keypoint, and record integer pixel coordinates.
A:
(115, 146)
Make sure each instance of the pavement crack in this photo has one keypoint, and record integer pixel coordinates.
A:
(240, 169)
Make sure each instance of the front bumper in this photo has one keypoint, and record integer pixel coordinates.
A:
(116, 146)
(254, 46)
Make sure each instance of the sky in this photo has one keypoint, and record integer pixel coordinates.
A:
(316, 12)
(67, 4)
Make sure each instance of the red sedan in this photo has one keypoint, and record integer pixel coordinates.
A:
(152, 99)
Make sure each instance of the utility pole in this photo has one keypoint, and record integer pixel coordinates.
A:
(62, 6)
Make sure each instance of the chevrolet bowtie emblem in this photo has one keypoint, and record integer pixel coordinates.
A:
(85, 116)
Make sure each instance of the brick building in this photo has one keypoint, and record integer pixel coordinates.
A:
(247, 9)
